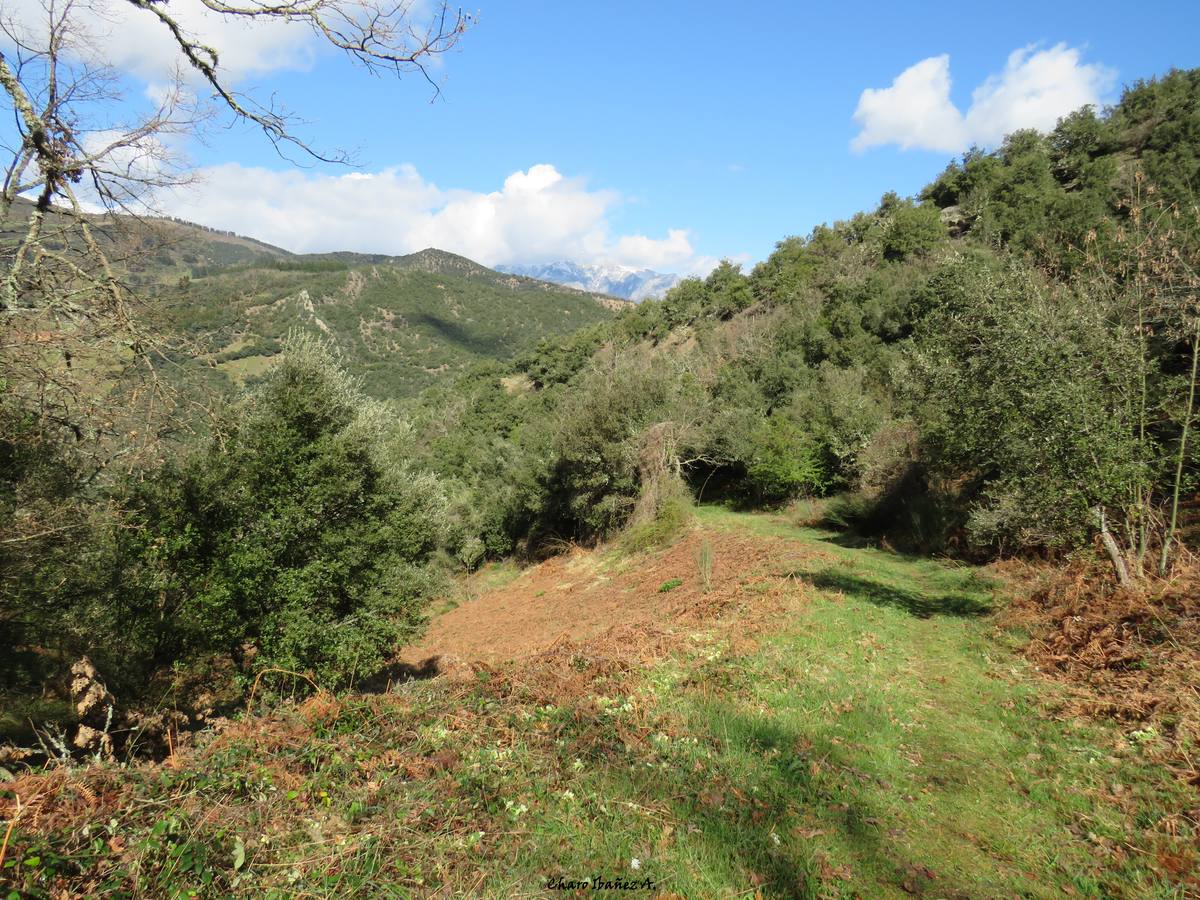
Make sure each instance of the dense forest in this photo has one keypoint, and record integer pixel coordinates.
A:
(1003, 365)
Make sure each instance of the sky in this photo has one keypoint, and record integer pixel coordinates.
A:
(666, 135)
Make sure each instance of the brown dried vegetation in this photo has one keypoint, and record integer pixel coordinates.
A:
(1132, 655)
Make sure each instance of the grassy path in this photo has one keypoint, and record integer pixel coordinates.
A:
(900, 739)
(883, 741)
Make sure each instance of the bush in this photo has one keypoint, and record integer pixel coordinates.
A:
(1024, 394)
(586, 480)
(785, 463)
(297, 540)
(912, 231)
(672, 514)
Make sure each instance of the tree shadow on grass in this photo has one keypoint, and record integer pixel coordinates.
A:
(460, 336)
(397, 672)
(760, 820)
(918, 604)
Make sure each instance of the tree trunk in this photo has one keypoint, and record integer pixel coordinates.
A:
(1110, 545)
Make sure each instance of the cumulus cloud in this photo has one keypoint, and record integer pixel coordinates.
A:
(135, 41)
(537, 215)
(1035, 89)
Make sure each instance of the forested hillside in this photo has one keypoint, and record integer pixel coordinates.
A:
(398, 323)
(1001, 370)
(993, 367)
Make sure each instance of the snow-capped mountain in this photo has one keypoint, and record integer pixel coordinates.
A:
(616, 281)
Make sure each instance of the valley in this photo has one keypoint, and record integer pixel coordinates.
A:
(331, 566)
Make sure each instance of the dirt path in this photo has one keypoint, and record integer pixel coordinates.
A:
(585, 595)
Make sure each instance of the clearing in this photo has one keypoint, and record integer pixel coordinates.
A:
(821, 721)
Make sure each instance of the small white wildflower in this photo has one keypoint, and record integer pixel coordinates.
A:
(515, 810)
(568, 795)
(775, 839)
(635, 864)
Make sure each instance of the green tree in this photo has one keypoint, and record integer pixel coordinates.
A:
(785, 463)
(1024, 391)
(296, 540)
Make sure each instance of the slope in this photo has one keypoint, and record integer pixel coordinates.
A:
(826, 721)
(399, 322)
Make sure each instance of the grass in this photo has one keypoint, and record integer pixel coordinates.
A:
(247, 367)
(887, 742)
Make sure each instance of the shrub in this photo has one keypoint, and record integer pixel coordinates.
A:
(785, 463)
(912, 231)
(297, 540)
(1025, 393)
(672, 514)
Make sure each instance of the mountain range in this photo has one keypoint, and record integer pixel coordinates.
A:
(625, 282)
(400, 323)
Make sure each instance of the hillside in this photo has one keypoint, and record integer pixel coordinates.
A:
(817, 721)
(925, 343)
(399, 322)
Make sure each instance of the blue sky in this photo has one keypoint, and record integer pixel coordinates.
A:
(677, 133)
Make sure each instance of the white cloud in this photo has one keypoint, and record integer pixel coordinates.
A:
(1035, 89)
(135, 41)
(914, 112)
(537, 215)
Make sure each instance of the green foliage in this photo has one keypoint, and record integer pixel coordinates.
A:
(912, 231)
(1023, 389)
(727, 291)
(1158, 119)
(588, 481)
(784, 463)
(296, 540)
(1062, 196)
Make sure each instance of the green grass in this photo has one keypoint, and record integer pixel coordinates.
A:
(887, 741)
(247, 367)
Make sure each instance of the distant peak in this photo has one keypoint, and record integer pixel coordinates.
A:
(626, 282)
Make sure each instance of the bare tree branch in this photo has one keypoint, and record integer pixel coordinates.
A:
(381, 37)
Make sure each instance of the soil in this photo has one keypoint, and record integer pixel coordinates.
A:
(586, 598)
